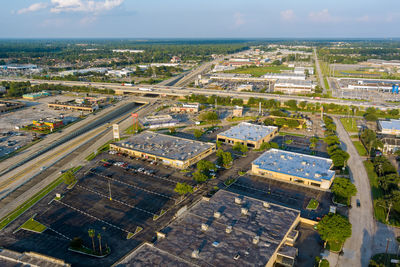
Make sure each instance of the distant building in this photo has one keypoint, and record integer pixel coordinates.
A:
(175, 59)
(33, 96)
(245, 87)
(294, 168)
(160, 121)
(47, 124)
(72, 105)
(294, 86)
(249, 134)
(302, 70)
(186, 108)
(285, 76)
(19, 67)
(9, 258)
(391, 127)
(119, 73)
(237, 111)
(168, 150)
(391, 144)
(6, 105)
(127, 51)
(225, 230)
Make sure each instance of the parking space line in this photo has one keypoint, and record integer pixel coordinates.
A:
(91, 216)
(255, 189)
(134, 186)
(123, 203)
(66, 237)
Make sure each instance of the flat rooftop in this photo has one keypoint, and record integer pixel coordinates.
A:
(390, 125)
(248, 132)
(166, 146)
(296, 164)
(269, 223)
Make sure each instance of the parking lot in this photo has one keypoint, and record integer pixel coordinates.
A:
(286, 194)
(115, 196)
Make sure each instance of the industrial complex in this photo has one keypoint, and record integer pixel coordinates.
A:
(294, 167)
(169, 150)
(226, 229)
(252, 135)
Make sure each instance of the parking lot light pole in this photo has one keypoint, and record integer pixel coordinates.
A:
(109, 189)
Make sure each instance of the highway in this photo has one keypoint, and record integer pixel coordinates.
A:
(319, 73)
(184, 91)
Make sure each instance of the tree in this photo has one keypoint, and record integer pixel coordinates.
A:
(224, 158)
(205, 166)
(240, 147)
(334, 227)
(269, 121)
(99, 238)
(197, 133)
(199, 177)
(274, 145)
(339, 158)
(370, 117)
(209, 116)
(69, 177)
(76, 243)
(389, 182)
(219, 144)
(303, 104)
(183, 188)
(368, 137)
(172, 130)
(265, 146)
(91, 233)
(291, 104)
(343, 188)
(332, 140)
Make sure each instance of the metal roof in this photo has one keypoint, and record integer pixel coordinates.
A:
(249, 132)
(296, 164)
(390, 125)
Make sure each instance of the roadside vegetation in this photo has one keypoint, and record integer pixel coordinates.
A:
(334, 229)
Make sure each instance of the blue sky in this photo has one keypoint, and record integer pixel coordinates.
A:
(199, 19)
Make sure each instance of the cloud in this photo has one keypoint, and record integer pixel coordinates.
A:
(364, 18)
(323, 16)
(32, 8)
(287, 15)
(239, 19)
(89, 6)
(85, 6)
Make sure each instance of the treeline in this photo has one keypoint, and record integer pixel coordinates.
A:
(17, 89)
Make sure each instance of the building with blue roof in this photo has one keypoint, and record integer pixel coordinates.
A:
(389, 127)
(249, 134)
(294, 167)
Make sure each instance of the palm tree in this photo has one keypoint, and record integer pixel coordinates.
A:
(91, 235)
(99, 238)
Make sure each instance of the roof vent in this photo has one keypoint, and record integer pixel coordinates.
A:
(256, 239)
(238, 200)
(244, 211)
(228, 229)
(303, 163)
(266, 205)
(217, 214)
(160, 235)
(195, 253)
(204, 226)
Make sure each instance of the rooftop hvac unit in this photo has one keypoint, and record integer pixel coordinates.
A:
(266, 205)
(244, 211)
(256, 239)
(204, 226)
(217, 214)
(195, 253)
(228, 229)
(238, 200)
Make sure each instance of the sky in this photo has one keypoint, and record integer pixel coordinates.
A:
(200, 19)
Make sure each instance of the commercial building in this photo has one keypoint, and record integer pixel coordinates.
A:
(245, 87)
(6, 105)
(168, 150)
(186, 108)
(159, 121)
(237, 111)
(14, 258)
(33, 96)
(294, 167)
(225, 230)
(249, 134)
(391, 144)
(391, 127)
(285, 76)
(302, 70)
(47, 124)
(294, 86)
(72, 105)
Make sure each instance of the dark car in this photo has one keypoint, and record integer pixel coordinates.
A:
(358, 203)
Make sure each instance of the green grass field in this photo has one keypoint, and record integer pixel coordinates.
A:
(259, 71)
(350, 124)
(34, 226)
(242, 118)
(360, 148)
(32, 201)
(313, 204)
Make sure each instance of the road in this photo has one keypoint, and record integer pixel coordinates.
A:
(70, 154)
(319, 73)
(184, 91)
(194, 73)
(368, 237)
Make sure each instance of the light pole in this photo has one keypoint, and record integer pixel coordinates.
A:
(109, 189)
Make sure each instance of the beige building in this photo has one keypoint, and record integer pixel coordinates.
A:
(249, 134)
(168, 150)
(186, 108)
(391, 127)
(237, 111)
(294, 168)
